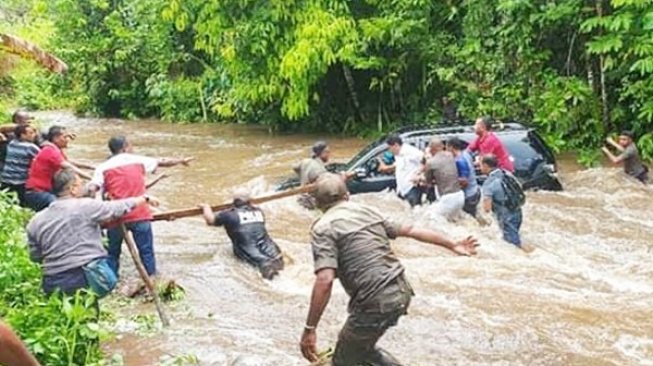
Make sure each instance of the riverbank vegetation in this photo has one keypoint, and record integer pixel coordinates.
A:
(60, 331)
(576, 69)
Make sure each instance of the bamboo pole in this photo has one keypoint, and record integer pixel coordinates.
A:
(20, 47)
(177, 214)
(129, 239)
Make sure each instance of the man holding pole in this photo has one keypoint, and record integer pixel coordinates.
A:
(123, 176)
(245, 225)
(352, 242)
(66, 236)
(628, 156)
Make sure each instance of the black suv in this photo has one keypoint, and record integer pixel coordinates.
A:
(535, 164)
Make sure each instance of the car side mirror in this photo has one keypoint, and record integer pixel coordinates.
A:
(361, 173)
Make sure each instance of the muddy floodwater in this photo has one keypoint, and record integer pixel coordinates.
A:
(583, 297)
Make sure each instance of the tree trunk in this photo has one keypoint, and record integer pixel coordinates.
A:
(351, 85)
(605, 109)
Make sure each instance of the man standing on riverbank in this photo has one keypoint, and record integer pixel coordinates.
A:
(245, 225)
(407, 167)
(66, 236)
(45, 165)
(352, 242)
(488, 143)
(20, 153)
(123, 176)
(629, 156)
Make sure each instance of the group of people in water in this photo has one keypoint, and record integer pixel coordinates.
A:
(350, 241)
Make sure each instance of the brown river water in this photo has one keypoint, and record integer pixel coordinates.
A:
(583, 297)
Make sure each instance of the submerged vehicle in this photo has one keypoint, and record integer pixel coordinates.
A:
(535, 164)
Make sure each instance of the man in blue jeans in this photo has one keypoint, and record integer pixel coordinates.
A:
(123, 176)
(494, 199)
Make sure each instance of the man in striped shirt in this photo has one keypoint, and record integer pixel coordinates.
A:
(20, 153)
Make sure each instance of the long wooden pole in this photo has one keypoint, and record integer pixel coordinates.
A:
(177, 214)
(129, 239)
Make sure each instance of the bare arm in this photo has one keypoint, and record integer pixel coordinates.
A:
(170, 162)
(81, 173)
(614, 159)
(319, 300)
(614, 144)
(207, 213)
(463, 247)
(156, 180)
(81, 165)
(487, 204)
(12, 351)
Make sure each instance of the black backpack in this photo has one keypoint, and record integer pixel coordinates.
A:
(515, 197)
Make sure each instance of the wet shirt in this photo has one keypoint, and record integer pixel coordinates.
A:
(632, 163)
(441, 170)
(245, 227)
(123, 176)
(354, 240)
(44, 166)
(490, 144)
(408, 165)
(67, 234)
(493, 189)
(18, 160)
(309, 170)
(465, 166)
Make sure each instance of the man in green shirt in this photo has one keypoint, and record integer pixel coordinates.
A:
(352, 242)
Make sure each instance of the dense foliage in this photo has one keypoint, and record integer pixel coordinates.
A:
(59, 331)
(577, 69)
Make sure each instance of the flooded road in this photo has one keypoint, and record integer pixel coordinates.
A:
(584, 297)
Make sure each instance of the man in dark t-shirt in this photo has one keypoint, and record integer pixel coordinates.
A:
(245, 226)
(629, 156)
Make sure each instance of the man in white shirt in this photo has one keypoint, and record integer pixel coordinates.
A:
(407, 166)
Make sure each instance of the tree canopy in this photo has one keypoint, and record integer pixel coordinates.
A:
(576, 69)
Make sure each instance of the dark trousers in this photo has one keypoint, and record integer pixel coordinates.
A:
(38, 201)
(414, 196)
(510, 222)
(471, 203)
(363, 329)
(643, 177)
(143, 237)
(271, 268)
(68, 283)
(19, 189)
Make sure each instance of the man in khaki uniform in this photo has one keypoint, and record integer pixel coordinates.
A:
(311, 169)
(351, 242)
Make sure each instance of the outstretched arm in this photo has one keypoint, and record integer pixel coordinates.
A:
(319, 300)
(73, 167)
(466, 246)
(12, 351)
(207, 213)
(169, 162)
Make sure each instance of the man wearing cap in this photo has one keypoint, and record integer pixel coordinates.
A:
(629, 156)
(310, 169)
(245, 225)
(352, 242)
(123, 176)
(45, 165)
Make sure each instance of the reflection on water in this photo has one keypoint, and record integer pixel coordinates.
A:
(584, 297)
